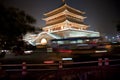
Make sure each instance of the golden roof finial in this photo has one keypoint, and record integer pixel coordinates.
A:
(63, 1)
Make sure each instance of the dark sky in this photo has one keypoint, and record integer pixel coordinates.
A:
(102, 15)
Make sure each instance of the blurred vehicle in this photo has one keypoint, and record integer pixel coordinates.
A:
(28, 52)
(2, 53)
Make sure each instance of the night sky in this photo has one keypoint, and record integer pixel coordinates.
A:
(102, 15)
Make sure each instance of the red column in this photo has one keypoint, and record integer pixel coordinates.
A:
(60, 64)
(100, 62)
(106, 61)
(24, 68)
(0, 66)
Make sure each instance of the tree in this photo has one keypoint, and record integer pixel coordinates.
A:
(14, 23)
(118, 27)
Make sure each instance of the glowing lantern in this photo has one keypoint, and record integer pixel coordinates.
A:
(43, 41)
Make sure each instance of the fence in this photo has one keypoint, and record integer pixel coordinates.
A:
(100, 70)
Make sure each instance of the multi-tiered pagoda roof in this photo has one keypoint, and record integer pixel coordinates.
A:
(64, 22)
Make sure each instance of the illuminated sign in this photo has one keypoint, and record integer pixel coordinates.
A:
(49, 50)
(100, 51)
(66, 58)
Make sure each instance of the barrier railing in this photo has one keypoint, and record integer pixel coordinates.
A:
(55, 66)
(82, 70)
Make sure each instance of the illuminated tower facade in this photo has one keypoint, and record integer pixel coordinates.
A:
(64, 22)
(63, 18)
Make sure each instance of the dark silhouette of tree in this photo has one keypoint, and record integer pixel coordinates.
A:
(118, 27)
(14, 23)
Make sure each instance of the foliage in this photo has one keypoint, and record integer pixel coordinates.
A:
(118, 27)
(14, 23)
